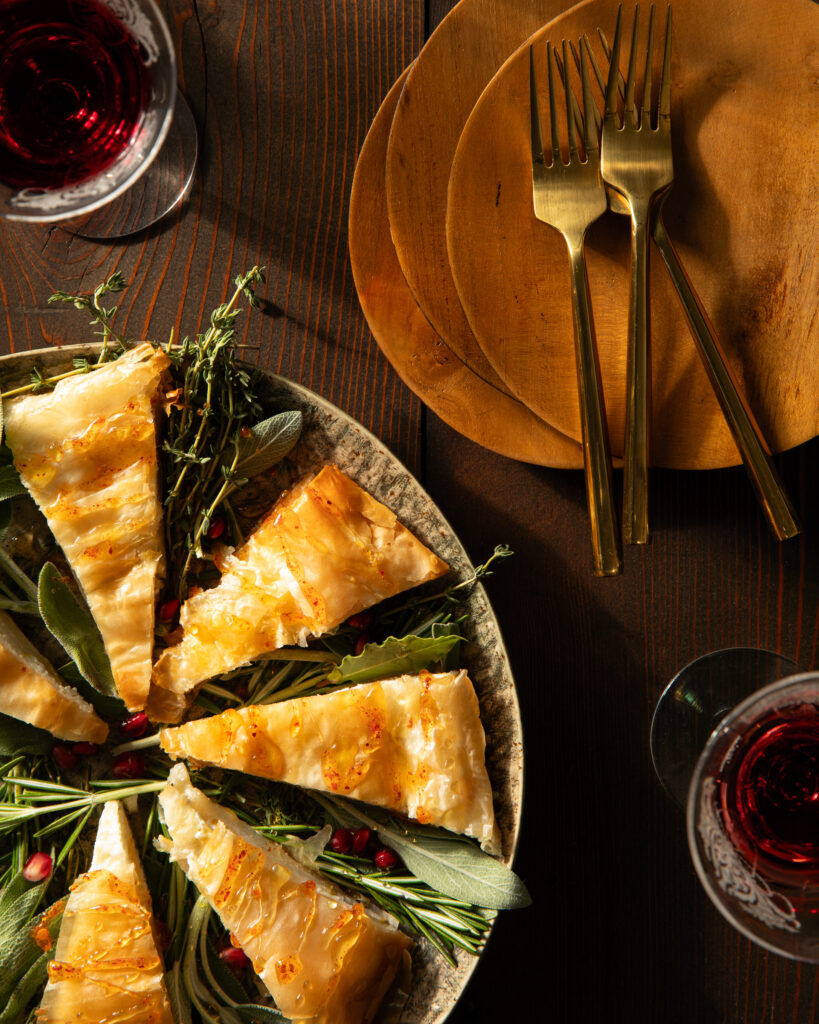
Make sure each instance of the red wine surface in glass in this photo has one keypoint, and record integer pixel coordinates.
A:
(72, 91)
(770, 790)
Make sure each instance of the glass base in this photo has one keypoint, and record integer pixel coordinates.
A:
(158, 191)
(697, 699)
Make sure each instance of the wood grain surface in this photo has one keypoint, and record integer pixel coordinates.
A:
(751, 254)
(620, 928)
(422, 359)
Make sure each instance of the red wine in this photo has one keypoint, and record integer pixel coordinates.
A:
(769, 789)
(72, 91)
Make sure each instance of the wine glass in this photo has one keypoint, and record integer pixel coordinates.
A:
(93, 129)
(752, 802)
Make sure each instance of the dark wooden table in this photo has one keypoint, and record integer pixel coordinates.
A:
(619, 929)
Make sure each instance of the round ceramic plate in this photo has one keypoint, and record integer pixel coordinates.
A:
(330, 435)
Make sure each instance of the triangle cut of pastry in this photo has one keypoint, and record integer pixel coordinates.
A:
(320, 954)
(106, 966)
(413, 744)
(33, 692)
(87, 453)
(326, 551)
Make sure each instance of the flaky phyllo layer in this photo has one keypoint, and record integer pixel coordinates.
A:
(87, 452)
(106, 966)
(33, 692)
(322, 957)
(326, 551)
(414, 744)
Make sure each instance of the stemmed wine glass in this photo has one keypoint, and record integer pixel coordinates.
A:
(93, 129)
(735, 739)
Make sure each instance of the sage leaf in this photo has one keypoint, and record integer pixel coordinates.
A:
(455, 867)
(18, 950)
(25, 989)
(225, 979)
(112, 708)
(18, 737)
(268, 443)
(10, 483)
(177, 994)
(393, 657)
(75, 629)
(5, 519)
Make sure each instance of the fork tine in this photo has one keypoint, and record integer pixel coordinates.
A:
(646, 113)
(534, 113)
(569, 99)
(561, 70)
(621, 82)
(665, 78)
(552, 104)
(614, 68)
(630, 109)
(590, 139)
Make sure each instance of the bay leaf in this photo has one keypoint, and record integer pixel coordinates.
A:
(393, 657)
(75, 629)
(268, 443)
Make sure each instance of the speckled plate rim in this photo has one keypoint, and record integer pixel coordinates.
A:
(329, 433)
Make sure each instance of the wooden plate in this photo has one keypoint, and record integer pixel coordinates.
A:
(424, 362)
(456, 63)
(329, 434)
(742, 213)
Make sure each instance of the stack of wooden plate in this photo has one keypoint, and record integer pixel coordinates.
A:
(468, 294)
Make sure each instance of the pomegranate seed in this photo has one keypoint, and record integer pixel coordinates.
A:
(362, 640)
(37, 867)
(168, 610)
(234, 958)
(361, 840)
(363, 620)
(134, 726)
(386, 858)
(85, 749)
(128, 766)
(64, 756)
(216, 528)
(341, 840)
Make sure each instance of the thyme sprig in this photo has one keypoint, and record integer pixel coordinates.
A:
(101, 317)
(216, 400)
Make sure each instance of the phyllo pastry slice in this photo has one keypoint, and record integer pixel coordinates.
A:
(106, 966)
(33, 692)
(414, 744)
(87, 453)
(322, 957)
(326, 551)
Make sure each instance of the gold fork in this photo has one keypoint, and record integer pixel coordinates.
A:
(753, 448)
(636, 161)
(569, 197)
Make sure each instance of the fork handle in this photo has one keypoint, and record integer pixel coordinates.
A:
(755, 453)
(638, 385)
(595, 436)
